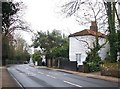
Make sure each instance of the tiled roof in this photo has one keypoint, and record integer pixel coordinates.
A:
(88, 32)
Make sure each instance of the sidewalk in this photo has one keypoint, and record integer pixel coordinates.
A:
(6, 80)
(95, 75)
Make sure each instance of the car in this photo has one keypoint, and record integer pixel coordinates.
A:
(25, 62)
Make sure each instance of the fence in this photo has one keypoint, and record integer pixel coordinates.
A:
(62, 63)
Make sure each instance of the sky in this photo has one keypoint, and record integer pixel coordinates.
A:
(45, 15)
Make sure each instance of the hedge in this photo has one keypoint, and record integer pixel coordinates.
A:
(91, 67)
(110, 69)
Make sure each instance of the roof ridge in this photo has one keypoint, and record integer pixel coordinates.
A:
(87, 32)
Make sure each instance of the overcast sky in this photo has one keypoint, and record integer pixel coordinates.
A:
(45, 15)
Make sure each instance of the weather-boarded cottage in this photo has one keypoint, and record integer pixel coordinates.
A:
(79, 42)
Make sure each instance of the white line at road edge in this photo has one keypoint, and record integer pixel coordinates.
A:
(16, 81)
(72, 84)
(50, 76)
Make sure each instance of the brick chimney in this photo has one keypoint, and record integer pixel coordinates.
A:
(93, 26)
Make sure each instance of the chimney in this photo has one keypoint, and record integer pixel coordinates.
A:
(93, 26)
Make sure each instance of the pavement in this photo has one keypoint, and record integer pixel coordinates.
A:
(6, 80)
(96, 75)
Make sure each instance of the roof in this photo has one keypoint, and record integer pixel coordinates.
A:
(88, 32)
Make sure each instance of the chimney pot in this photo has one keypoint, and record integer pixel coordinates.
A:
(93, 26)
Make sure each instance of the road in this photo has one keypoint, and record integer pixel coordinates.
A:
(29, 76)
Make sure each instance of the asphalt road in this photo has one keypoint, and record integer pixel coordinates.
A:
(29, 76)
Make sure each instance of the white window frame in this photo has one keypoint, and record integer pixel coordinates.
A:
(78, 57)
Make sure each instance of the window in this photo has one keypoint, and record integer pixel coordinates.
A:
(78, 58)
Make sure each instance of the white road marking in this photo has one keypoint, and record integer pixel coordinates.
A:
(50, 76)
(31, 74)
(65, 74)
(16, 80)
(27, 68)
(72, 84)
(40, 73)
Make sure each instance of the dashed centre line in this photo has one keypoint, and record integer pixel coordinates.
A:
(72, 84)
(27, 68)
(31, 74)
(50, 76)
(47, 75)
(40, 73)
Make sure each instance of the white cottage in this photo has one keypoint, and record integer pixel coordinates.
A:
(79, 41)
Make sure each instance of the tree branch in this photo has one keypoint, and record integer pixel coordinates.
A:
(83, 41)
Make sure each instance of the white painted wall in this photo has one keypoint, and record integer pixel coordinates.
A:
(80, 47)
(119, 9)
(103, 51)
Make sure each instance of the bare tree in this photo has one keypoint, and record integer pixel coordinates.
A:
(87, 11)
(11, 17)
(11, 21)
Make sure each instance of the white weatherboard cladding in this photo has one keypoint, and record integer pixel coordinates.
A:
(79, 47)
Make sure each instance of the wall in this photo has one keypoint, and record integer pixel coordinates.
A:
(103, 51)
(69, 65)
(119, 9)
(76, 46)
(64, 64)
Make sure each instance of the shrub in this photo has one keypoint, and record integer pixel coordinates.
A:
(93, 67)
(93, 59)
